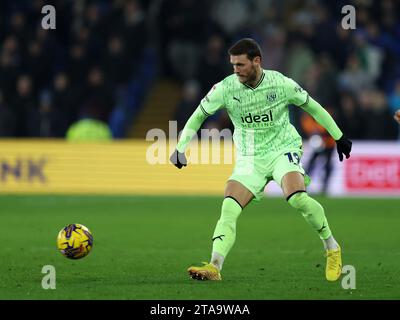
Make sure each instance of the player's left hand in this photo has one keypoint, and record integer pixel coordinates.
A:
(343, 146)
(178, 159)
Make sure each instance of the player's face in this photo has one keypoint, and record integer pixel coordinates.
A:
(244, 68)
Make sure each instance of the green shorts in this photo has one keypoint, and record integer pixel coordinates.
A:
(256, 172)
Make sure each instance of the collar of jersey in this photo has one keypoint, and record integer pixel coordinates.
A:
(258, 83)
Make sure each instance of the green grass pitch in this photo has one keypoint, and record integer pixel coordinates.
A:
(143, 246)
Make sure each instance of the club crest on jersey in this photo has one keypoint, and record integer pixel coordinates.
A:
(271, 96)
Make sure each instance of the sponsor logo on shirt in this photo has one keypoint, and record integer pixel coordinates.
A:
(249, 118)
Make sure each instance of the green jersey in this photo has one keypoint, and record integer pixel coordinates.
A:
(260, 114)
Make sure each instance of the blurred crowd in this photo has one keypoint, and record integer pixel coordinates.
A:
(355, 74)
(51, 78)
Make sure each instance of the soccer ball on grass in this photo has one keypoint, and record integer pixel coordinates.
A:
(75, 241)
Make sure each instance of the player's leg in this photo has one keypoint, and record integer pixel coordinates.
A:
(246, 183)
(289, 173)
(241, 188)
(294, 191)
(236, 198)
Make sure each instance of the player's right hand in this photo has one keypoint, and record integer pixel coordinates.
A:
(343, 146)
(178, 159)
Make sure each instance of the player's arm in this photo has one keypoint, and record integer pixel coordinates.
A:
(191, 127)
(212, 102)
(301, 98)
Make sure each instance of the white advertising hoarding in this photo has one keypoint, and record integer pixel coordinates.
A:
(372, 170)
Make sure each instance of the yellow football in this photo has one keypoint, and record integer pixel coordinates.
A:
(75, 241)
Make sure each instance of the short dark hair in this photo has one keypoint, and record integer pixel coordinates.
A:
(246, 46)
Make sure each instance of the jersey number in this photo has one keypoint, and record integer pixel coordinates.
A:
(293, 155)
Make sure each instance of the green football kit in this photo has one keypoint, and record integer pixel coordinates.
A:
(268, 145)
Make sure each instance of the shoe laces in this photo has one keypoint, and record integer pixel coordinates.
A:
(333, 257)
(209, 265)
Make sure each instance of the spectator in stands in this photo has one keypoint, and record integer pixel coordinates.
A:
(214, 64)
(182, 32)
(132, 29)
(354, 78)
(116, 62)
(377, 117)
(274, 42)
(46, 116)
(8, 121)
(65, 102)
(225, 13)
(351, 117)
(10, 60)
(17, 26)
(299, 60)
(320, 81)
(38, 64)
(25, 106)
(98, 98)
(369, 55)
(188, 103)
(77, 64)
(342, 46)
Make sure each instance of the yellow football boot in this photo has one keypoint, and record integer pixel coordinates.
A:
(333, 264)
(207, 272)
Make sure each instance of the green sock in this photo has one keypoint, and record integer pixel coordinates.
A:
(225, 230)
(313, 212)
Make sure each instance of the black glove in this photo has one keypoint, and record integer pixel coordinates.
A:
(178, 159)
(343, 146)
